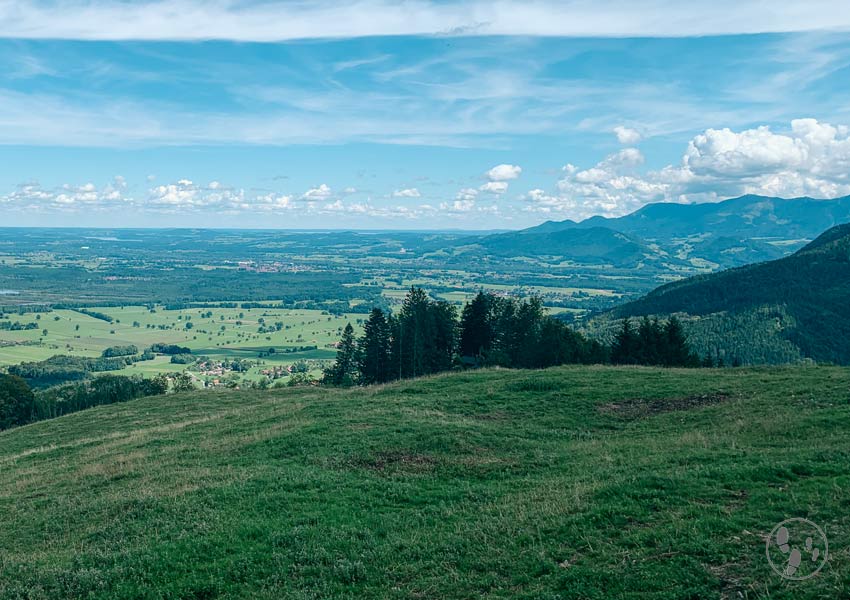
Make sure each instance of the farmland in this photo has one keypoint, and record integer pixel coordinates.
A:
(217, 333)
(274, 299)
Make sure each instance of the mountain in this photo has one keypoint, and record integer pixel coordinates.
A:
(806, 296)
(680, 238)
(492, 483)
(589, 246)
(742, 218)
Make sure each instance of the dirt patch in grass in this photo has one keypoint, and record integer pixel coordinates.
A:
(638, 408)
(498, 415)
(407, 462)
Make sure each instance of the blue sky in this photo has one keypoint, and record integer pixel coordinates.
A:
(414, 115)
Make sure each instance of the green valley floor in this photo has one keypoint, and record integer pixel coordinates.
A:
(577, 482)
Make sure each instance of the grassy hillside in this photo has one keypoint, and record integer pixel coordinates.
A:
(567, 483)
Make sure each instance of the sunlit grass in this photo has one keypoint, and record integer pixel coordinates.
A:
(579, 482)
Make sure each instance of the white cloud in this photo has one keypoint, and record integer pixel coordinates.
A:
(495, 187)
(627, 136)
(504, 172)
(271, 202)
(467, 194)
(407, 193)
(278, 20)
(458, 206)
(67, 197)
(186, 195)
(323, 192)
(811, 159)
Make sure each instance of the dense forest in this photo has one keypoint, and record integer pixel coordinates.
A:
(428, 336)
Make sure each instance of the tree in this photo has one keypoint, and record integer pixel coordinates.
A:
(651, 342)
(373, 360)
(344, 370)
(476, 327)
(625, 348)
(444, 335)
(677, 353)
(182, 382)
(17, 402)
(415, 334)
(525, 334)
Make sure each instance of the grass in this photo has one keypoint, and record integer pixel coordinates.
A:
(568, 483)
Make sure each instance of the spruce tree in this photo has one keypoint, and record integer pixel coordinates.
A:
(476, 328)
(652, 344)
(624, 349)
(344, 370)
(677, 352)
(374, 353)
(415, 334)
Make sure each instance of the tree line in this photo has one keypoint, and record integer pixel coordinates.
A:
(20, 404)
(429, 336)
(654, 343)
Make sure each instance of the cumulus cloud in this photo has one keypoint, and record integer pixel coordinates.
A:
(811, 159)
(495, 187)
(504, 172)
(627, 136)
(67, 197)
(186, 195)
(467, 194)
(277, 20)
(407, 193)
(323, 192)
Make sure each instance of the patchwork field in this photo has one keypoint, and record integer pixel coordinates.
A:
(219, 333)
(567, 483)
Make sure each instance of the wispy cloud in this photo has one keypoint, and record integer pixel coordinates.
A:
(288, 20)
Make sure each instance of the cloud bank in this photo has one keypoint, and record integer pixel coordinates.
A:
(812, 159)
(292, 20)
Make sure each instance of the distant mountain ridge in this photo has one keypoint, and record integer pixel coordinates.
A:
(744, 217)
(687, 238)
(591, 245)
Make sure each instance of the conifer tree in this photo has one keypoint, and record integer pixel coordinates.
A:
(625, 347)
(677, 353)
(373, 359)
(344, 370)
(476, 327)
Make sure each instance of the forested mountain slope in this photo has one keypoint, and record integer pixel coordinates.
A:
(806, 296)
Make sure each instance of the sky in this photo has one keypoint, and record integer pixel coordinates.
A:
(424, 114)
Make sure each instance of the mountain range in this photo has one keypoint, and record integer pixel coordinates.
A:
(712, 236)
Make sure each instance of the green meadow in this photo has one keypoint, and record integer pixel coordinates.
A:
(219, 333)
(574, 482)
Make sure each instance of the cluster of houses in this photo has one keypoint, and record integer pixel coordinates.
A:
(274, 267)
(277, 372)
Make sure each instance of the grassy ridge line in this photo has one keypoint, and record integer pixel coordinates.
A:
(568, 483)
